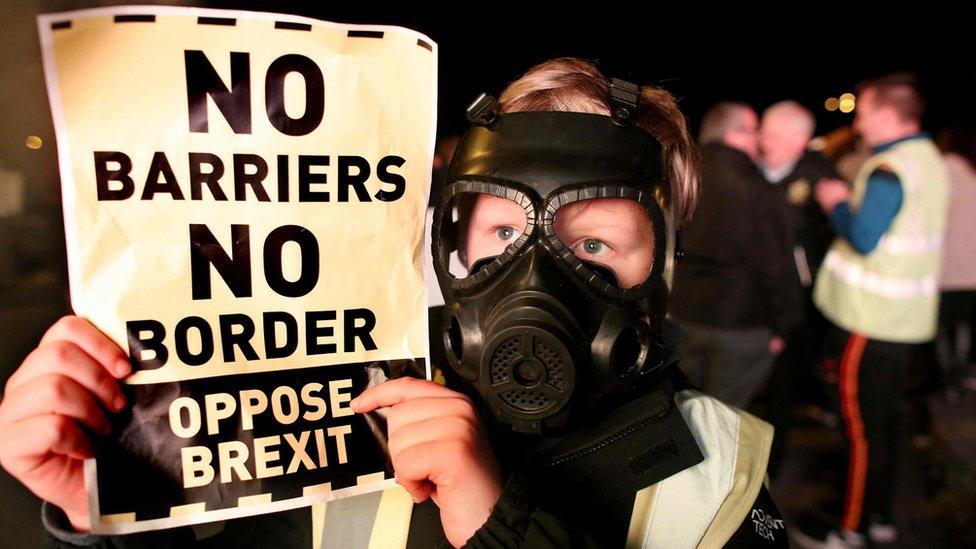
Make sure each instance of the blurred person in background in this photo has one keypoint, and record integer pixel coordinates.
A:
(735, 291)
(792, 167)
(878, 286)
(958, 281)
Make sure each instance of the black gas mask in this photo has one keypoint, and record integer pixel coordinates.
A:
(553, 244)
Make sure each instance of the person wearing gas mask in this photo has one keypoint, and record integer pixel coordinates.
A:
(563, 420)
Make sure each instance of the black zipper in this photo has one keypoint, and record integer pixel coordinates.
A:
(609, 440)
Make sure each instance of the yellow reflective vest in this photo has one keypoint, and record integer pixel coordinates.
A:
(892, 293)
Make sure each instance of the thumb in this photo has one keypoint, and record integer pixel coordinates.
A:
(419, 490)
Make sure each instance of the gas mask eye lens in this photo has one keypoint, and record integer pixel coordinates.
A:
(480, 230)
(613, 237)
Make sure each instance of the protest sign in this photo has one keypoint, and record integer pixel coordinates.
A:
(244, 198)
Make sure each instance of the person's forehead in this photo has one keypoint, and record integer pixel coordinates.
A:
(603, 206)
(776, 118)
(780, 123)
(614, 211)
(487, 203)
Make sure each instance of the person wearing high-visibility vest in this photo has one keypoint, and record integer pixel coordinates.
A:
(879, 286)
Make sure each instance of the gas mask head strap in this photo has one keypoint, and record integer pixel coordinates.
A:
(623, 97)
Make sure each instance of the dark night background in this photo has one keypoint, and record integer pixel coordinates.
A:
(702, 54)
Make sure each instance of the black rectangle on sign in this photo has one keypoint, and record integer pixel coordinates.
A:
(140, 468)
(135, 19)
(364, 34)
(223, 21)
(292, 26)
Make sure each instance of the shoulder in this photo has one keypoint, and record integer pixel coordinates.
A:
(716, 495)
(741, 442)
(718, 419)
(910, 157)
(697, 407)
(737, 442)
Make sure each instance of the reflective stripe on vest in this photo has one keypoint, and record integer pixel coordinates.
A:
(910, 244)
(855, 274)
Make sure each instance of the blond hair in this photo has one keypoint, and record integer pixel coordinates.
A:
(800, 118)
(576, 85)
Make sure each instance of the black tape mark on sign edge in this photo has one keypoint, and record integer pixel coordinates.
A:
(364, 34)
(135, 19)
(230, 22)
(288, 25)
(360, 480)
(220, 21)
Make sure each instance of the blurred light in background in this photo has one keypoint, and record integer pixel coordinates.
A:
(34, 142)
(847, 102)
(832, 104)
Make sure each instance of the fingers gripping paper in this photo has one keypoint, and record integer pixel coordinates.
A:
(244, 200)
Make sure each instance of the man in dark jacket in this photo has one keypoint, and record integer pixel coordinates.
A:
(792, 168)
(736, 290)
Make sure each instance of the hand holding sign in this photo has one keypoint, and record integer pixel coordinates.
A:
(58, 395)
(439, 449)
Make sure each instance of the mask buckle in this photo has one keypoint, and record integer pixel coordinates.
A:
(624, 99)
(483, 111)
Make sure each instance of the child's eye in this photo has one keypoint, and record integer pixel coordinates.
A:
(506, 233)
(592, 246)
